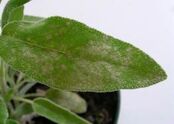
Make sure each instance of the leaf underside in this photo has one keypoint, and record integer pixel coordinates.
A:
(66, 54)
(69, 100)
(56, 113)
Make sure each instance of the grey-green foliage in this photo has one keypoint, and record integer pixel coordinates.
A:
(69, 100)
(63, 54)
(13, 11)
(23, 109)
(76, 57)
(56, 113)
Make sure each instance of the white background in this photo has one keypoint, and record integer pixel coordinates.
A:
(149, 25)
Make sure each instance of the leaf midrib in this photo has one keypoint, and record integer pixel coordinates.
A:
(41, 47)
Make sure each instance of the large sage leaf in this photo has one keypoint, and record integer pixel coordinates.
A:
(66, 54)
(3, 112)
(13, 11)
(56, 113)
(69, 100)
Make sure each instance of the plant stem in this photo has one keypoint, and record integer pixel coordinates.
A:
(3, 77)
(25, 88)
(33, 95)
(20, 77)
(11, 108)
(23, 100)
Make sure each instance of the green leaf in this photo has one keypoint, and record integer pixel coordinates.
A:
(69, 100)
(56, 113)
(32, 19)
(13, 11)
(3, 112)
(11, 121)
(74, 57)
(9, 95)
(16, 14)
(23, 109)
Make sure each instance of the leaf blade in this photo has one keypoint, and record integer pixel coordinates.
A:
(13, 11)
(23, 109)
(56, 113)
(78, 58)
(69, 100)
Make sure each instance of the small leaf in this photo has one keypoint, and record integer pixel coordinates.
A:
(9, 94)
(3, 112)
(13, 11)
(69, 100)
(75, 57)
(11, 121)
(23, 109)
(56, 113)
(16, 14)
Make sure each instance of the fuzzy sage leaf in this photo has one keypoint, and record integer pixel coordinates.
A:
(69, 100)
(56, 113)
(13, 11)
(75, 57)
(23, 109)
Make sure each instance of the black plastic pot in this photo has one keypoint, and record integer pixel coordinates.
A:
(118, 105)
(102, 104)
